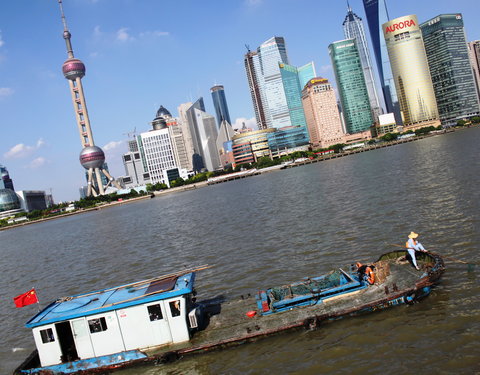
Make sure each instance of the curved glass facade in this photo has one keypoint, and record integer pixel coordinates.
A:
(8, 200)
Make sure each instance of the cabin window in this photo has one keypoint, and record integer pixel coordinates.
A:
(155, 312)
(47, 335)
(97, 325)
(175, 308)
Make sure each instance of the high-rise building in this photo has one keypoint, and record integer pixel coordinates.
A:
(351, 85)
(450, 68)
(411, 72)
(208, 134)
(187, 136)
(5, 180)
(255, 79)
(293, 79)
(266, 85)
(157, 151)
(353, 29)
(474, 53)
(377, 14)
(92, 157)
(321, 113)
(220, 104)
(204, 136)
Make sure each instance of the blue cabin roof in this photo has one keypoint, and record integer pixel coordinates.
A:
(123, 296)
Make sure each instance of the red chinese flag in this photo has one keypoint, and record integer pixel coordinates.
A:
(26, 298)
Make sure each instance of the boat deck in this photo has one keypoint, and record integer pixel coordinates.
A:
(231, 324)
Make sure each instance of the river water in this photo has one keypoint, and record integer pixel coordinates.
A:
(274, 229)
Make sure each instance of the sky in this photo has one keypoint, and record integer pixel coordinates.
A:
(140, 54)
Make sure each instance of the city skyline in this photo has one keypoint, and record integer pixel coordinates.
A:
(135, 64)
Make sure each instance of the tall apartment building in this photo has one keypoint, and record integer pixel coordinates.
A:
(351, 85)
(353, 29)
(377, 14)
(411, 72)
(474, 53)
(136, 170)
(450, 68)
(321, 112)
(220, 104)
(187, 136)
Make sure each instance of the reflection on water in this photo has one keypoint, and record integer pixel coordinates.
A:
(274, 229)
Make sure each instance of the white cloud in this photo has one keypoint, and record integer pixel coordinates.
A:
(37, 162)
(5, 91)
(249, 123)
(155, 33)
(1, 39)
(22, 150)
(124, 36)
(111, 146)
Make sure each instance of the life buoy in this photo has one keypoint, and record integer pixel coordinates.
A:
(370, 275)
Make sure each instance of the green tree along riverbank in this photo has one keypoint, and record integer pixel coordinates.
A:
(91, 203)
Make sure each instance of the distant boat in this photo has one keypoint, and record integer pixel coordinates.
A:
(159, 320)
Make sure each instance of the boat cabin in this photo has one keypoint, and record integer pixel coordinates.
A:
(134, 316)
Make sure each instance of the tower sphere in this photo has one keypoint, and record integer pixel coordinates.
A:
(92, 157)
(73, 69)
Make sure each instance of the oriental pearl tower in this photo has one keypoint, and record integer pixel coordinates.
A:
(92, 157)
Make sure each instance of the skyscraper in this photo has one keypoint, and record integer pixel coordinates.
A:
(266, 85)
(254, 77)
(474, 52)
(377, 14)
(351, 85)
(92, 157)
(450, 68)
(220, 104)
(353, 29)
(321, 113)
(294, 79)
(204, 136)
(411, 72)
(157, 151)
(5, 180)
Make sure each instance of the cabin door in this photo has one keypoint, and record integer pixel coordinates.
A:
(67, 344)
(82, 338)
(177, 319)
(159, 325)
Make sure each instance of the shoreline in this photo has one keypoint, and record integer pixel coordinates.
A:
(205, 183)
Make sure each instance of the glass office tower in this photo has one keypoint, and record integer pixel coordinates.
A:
(292, 78)
(353, 29)
(351, 85)
(220, 104)
(450, 68)
(377, 14)
(411, 72)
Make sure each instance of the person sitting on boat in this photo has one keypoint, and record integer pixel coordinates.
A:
(412, 246)
(365, 273)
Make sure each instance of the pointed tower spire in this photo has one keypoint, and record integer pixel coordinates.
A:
(66, 33)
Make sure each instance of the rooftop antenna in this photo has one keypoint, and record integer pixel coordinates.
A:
(248, 47)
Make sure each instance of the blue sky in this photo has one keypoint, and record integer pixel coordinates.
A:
(141, 54)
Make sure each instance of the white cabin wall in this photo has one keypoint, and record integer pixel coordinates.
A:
(50, 352)
(110, 340)
(139, 331)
